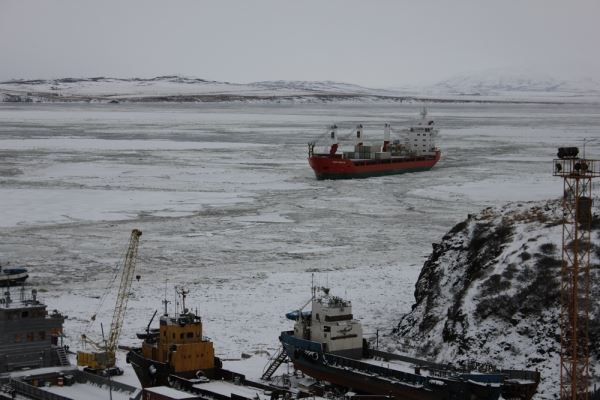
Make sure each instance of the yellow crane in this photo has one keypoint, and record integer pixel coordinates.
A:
(102, 359)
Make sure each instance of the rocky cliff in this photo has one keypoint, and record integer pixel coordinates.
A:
(490, 291)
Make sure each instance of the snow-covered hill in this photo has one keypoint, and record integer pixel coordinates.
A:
(490, 292)
(482, 87)
(515, 82)
(325, 86)
(181, 89)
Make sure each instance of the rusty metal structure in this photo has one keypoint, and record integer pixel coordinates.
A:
(577, 174)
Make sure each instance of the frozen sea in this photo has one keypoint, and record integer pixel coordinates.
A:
(230, 208)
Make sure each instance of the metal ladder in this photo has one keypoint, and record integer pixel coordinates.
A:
(62, 356)
(275, 363)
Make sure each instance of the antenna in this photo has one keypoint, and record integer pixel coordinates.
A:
(165, 301)
(180, 290)
(577, 174)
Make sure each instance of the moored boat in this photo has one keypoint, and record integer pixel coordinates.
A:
(327, 344)
(417, 152)
(176, 349)
(12, 276)
(29, 335)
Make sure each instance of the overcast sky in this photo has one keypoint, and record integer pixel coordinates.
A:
(376, 43)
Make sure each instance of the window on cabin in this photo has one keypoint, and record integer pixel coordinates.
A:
(190, 335)
(24, 314)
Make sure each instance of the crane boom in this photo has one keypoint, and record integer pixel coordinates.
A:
(102, 360)
(124, 288)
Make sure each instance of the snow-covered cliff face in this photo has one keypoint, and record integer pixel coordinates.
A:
(490, 292)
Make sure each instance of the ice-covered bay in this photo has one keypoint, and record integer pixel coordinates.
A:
(229, 207)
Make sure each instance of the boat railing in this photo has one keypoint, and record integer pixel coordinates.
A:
(484, 378)
(524, 375)
(416, 361)
(288, 336)
(382, 372)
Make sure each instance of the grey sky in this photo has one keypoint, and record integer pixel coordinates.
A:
(370, 42)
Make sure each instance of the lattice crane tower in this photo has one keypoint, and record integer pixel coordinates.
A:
(577, 174)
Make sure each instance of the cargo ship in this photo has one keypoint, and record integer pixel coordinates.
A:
(417, 152)
(327, 344)
(176, 349)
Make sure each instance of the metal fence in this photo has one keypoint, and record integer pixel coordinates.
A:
(34, 392)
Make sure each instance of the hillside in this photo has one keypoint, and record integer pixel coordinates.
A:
(181, 89)
(515, 82)
(489, 292)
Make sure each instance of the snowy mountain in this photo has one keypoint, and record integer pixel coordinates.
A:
(480, 87)
(181, 89)
(490, 292)
(498, 82)
(324, 86)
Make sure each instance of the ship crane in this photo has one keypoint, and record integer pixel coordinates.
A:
(102, 359)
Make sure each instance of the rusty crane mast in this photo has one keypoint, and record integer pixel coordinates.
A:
(577, 174)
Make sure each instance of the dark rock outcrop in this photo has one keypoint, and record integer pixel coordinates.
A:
(490, 291)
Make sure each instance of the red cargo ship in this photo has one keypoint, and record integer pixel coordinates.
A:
(418, 152)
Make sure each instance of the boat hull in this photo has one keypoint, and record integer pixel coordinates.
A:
(154, 373)
(13, 276)
(369, 379)
(335, 167)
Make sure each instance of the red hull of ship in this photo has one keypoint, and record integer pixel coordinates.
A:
(336, 167)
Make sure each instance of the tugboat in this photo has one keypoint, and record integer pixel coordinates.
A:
(417, 153)
(327, 344)
(12, 276)
(175, 350)
(29, 335)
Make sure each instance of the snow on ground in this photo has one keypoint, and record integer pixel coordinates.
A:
(88, 392)
(229, 207)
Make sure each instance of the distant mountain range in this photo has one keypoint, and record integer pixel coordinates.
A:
(482, 87)
(498, 83)
(182, 89)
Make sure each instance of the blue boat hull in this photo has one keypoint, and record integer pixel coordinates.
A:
(13, 276)
(370, 379)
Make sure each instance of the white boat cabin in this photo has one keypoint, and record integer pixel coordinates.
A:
(331, 323)
(420, 138)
